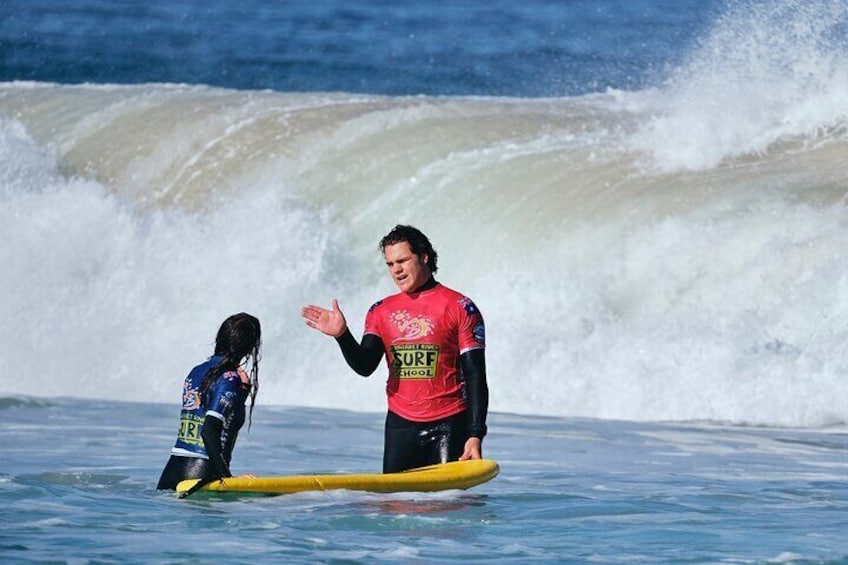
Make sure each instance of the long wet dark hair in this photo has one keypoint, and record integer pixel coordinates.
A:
(239, 338)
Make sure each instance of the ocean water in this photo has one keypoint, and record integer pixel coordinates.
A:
(645, 198)
(78, 486)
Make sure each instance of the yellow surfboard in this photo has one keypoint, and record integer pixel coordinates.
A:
(453, 475)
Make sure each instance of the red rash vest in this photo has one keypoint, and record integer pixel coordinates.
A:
(424, 334)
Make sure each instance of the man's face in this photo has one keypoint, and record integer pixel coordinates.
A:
(408, 270)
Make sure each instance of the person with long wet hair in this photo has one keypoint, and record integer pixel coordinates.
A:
(214, 397)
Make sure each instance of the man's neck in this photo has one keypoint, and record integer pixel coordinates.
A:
(431, 282)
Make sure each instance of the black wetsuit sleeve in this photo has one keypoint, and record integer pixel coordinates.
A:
(362, 358)
(473, 365)
(211, 434)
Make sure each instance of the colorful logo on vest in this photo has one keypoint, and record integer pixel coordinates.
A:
(411, 328)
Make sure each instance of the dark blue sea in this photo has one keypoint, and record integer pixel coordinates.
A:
(646, 199)
(498, 48)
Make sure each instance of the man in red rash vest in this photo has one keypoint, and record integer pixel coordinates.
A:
(433, 339)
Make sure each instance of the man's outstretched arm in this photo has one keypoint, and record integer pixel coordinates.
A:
(362, 358)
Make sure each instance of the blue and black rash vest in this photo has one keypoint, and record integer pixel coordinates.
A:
(224, 401)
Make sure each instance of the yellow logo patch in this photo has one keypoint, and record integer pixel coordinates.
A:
(190, 426)
(415, 360)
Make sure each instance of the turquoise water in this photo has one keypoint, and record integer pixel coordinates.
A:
(78, 486)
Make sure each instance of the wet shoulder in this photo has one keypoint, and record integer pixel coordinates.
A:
(455, 298)
(230, 380)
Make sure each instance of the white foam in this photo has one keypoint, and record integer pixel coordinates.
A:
(767, 72)
(608, 291)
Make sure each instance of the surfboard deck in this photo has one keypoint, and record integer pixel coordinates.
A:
(453, 475)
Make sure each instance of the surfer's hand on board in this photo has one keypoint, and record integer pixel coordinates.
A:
(473, 449)
(330, 322)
